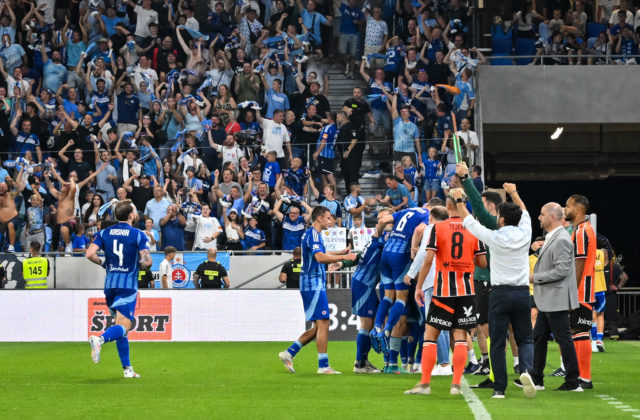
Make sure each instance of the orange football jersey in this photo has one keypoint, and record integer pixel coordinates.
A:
(585, 246)
(455, 249)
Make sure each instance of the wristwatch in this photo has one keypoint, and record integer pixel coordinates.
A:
(462, 178)
(459, 200)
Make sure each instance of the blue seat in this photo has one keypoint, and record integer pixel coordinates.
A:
(525, 46)
(594, 29)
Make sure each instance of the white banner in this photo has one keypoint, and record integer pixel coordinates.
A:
(361, 237)
(335, 239)
(161, 315)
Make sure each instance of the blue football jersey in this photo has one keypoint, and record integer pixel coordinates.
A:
(368, 269)
(328, 134)
(121, 244)
(404, 224)
(295, 179)
(313, 273)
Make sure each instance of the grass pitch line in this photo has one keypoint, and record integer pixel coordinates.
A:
(477, 408)
(619, 405)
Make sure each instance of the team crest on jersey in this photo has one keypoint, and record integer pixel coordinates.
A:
(180, 276)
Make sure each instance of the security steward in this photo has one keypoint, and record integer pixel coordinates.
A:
(145, 277)
(290, 273)
(211, 274)
(35, 269)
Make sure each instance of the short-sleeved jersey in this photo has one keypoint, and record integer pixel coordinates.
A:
(295, 179)
(121, 244)
(313, 273)
(455, 249)
(292, 231)
(328, 134)
(584, 247)
(600, 282)
(211, 274)
(368, 269)
(404, 224)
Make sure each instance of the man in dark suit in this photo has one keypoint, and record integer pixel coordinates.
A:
(555, 292)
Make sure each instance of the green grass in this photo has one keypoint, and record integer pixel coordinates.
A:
(246, 380)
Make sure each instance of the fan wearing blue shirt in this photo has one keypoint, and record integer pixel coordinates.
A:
(54, 70)
(293, 224)
(352, 16)
(313, 291)
(325, 153)
(397, 195)
(464, 102)
(276, 100)
(312, 20)
(254, 238)
(271, 173)
(124, 247)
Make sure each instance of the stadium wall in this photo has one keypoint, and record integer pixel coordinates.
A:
(169, 315)
(558, 94)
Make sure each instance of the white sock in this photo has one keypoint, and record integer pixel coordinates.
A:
(515, 360)
(562, 364)
(472, 357)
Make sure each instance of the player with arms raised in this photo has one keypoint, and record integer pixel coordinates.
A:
(313, 288)
(452, 304)
(124, 246)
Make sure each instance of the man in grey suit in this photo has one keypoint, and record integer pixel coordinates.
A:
(555, 293)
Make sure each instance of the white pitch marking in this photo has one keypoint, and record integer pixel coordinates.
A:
(477, 408)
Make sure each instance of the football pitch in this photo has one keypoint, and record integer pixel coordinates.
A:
(247, 380)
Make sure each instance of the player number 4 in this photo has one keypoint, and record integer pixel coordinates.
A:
(118, 250)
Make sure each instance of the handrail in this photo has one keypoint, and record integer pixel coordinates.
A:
(256, 277)
(608, 56)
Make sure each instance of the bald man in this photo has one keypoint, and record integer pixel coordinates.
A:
(211, 274)
(556, 294)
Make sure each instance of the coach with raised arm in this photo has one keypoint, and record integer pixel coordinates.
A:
(509, 302)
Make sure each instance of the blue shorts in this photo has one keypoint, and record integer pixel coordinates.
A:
(432, 184)
(123, 301)
(392, 270)
(601, 302)
(316, 305)
(364, 300)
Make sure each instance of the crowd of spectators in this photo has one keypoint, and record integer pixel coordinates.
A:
(213, 117)
(604, 31)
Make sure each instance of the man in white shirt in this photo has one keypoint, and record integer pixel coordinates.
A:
(207, 229)
(275, 135)
(470, 139)
(142, 72)
(166, 272)
(509, 302)
(145, 15)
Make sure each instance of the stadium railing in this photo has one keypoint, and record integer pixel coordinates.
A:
(628, 301)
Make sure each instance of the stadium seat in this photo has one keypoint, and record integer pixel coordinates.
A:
(525, 46)
(594, 29)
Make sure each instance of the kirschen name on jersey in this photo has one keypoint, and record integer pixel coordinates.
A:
(119, 232)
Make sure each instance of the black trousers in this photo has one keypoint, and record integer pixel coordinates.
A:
(558, 324)
(350, 166)
(611, 313)
(509, 305)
